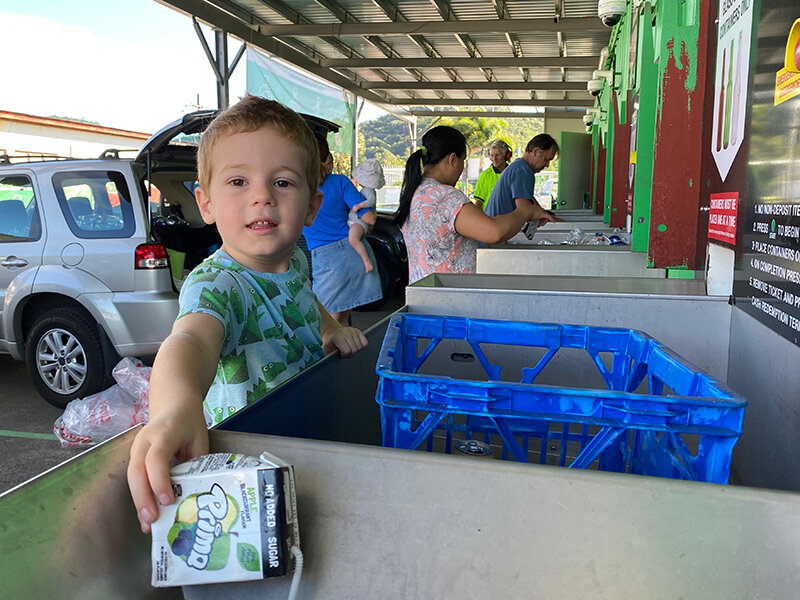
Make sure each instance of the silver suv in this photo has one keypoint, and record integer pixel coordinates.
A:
(93, 253)
(85, 249)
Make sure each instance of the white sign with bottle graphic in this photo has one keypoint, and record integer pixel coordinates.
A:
(730, 89)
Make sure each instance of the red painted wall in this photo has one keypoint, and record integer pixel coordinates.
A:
(619, 177)
(677, 230)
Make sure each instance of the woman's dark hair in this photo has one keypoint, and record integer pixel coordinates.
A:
(437, 143)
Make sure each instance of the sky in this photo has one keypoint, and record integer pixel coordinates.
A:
(128, 64)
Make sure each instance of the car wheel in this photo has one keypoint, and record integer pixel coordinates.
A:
(64, 356)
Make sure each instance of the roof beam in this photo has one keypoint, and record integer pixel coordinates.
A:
(448, 14)
(289, 13)
(393, 12)
(433, 27)
(513, 39)
(223, 20)
(345, 16)
(475, 85)
(388, 63)
(481, 113)
(490, 102)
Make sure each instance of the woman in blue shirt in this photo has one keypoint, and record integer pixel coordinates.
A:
(338, 275)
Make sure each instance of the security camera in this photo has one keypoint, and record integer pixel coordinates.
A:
(610, 11)
(595, 86)
(588, 119)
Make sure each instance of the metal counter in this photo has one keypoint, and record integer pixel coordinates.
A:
(577, 214)
(763, 367)
(72, 533)
(545, 238)
(568, 224)
(674, 311)
(77, 524)
(582, 261)
(393, 524)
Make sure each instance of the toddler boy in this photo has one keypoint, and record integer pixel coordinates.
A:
(369, 175)
(248, 319)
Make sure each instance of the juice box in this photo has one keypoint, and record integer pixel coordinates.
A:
(234, 519)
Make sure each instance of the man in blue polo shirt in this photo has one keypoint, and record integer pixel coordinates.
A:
(515, 186)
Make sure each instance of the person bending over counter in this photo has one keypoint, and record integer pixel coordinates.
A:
(440, 226)
(514, 188)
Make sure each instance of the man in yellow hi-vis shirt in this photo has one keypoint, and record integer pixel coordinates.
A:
(499, 155)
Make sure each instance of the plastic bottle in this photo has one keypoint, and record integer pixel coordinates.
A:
(726, 134)
(737, 91)
(721, 109)
(529, 229)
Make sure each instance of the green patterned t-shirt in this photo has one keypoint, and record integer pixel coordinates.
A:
(272, 327)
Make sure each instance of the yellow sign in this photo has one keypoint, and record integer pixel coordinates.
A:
(787, 85)
(787, 80)
(792, 58)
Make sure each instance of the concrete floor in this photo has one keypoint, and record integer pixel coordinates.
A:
(27, 444)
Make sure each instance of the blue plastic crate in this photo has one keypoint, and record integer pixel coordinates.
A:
(687, 433)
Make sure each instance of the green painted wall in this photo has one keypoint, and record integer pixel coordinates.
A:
(647, 87)
(595, 159)
(609, 139)
(664, 29)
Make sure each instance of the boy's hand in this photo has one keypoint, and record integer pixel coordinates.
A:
(347, 340)
(151, 453)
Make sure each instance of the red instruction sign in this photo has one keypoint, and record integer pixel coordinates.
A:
(722, 217)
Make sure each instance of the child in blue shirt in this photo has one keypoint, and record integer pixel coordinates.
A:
(248, 319)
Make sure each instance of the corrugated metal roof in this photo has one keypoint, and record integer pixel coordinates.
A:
(418, 54)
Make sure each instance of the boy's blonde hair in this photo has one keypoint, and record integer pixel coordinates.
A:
(250, 114)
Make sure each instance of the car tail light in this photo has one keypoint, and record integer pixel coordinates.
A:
(151, 256)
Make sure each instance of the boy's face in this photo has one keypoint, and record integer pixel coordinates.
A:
(259, 197)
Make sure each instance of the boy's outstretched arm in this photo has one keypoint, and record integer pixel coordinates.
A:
(183, 371)
(347, 340)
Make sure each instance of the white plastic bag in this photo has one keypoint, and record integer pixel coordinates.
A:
(96, 418)
(134, 377)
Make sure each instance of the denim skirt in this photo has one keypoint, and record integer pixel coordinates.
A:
(339, 279)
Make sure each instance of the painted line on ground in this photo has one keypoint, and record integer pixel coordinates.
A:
(25, 434)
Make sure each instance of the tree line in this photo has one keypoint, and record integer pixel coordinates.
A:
(386, 138)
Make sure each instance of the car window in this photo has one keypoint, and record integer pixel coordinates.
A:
(96, 204)
(167, 207)
(191, 186)
(19, 213)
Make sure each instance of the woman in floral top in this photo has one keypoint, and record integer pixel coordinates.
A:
(440, 225)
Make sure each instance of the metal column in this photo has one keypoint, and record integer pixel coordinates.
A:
(220, 63)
